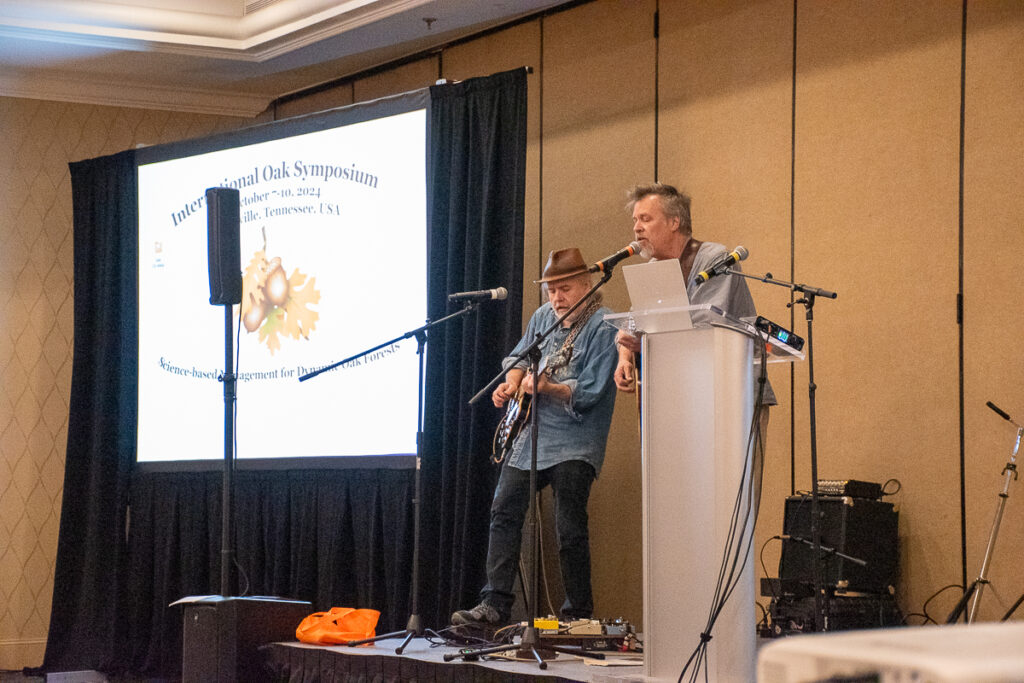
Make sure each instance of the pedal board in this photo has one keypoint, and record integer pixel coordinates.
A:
(615, 635)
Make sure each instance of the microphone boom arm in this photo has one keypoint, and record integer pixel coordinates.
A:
(769, 279)
(470, 306)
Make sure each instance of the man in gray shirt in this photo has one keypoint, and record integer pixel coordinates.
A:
(662, 226)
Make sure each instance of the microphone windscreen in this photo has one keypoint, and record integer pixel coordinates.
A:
(999, 412)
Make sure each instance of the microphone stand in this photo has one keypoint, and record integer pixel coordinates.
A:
(529, 643)
(978, 586)
(807, 301)
(826, 550)
(414, 626)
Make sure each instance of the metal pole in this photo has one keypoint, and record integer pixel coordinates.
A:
(229, 456)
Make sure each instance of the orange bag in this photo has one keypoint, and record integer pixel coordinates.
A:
(338, 626)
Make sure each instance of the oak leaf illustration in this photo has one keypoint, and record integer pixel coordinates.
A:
(295, 318)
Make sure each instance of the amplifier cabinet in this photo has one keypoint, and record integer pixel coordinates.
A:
(859, 527)
(796, 615)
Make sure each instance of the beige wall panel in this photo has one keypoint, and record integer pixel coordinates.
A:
(338, 96)
(725, 137)
(993, 291)
(598, 124)
(877, 137)
(36, 277)
(516, 47)
(412, 76)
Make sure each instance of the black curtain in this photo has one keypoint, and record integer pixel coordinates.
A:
(131, 543)
(332, 537)
(101, 425)
(478, 177)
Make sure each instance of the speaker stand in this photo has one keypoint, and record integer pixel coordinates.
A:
(978, 586)
(226, 524)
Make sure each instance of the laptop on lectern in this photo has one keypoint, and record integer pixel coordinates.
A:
(657, 294)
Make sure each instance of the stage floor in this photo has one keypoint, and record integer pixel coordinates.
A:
(422, 661)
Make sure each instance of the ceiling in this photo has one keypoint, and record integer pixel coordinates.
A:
(228, 57)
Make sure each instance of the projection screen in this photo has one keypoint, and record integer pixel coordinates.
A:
(333, 241)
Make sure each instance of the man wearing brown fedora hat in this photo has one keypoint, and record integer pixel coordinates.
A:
(575, 395)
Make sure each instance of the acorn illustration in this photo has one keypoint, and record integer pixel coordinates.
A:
(255, 315)
(276, 287)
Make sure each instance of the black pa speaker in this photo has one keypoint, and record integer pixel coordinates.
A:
(222, 233)
(222, 636)
(859, 527)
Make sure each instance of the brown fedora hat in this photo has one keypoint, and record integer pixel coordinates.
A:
(563, 263)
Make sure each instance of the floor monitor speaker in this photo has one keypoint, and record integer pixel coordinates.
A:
(222, 636)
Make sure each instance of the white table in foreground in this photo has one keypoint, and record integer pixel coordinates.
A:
(927, 654)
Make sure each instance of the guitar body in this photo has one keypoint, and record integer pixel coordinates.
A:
(517, 413)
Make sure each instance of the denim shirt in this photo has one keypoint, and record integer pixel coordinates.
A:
(577, 430)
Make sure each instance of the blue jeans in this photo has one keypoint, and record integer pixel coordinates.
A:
(570, 484)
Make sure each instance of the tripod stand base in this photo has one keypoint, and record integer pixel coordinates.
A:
(413, 629)
(538, 654)
(527, 649)
(525, 653)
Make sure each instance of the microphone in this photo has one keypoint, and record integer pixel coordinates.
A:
(736, 255)
(1003, 414)
(610, 262)
(998, 412)
(481, 295)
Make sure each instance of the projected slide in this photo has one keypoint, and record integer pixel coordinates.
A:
(333, 256)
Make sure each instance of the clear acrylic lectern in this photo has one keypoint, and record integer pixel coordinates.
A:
(697, 388)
